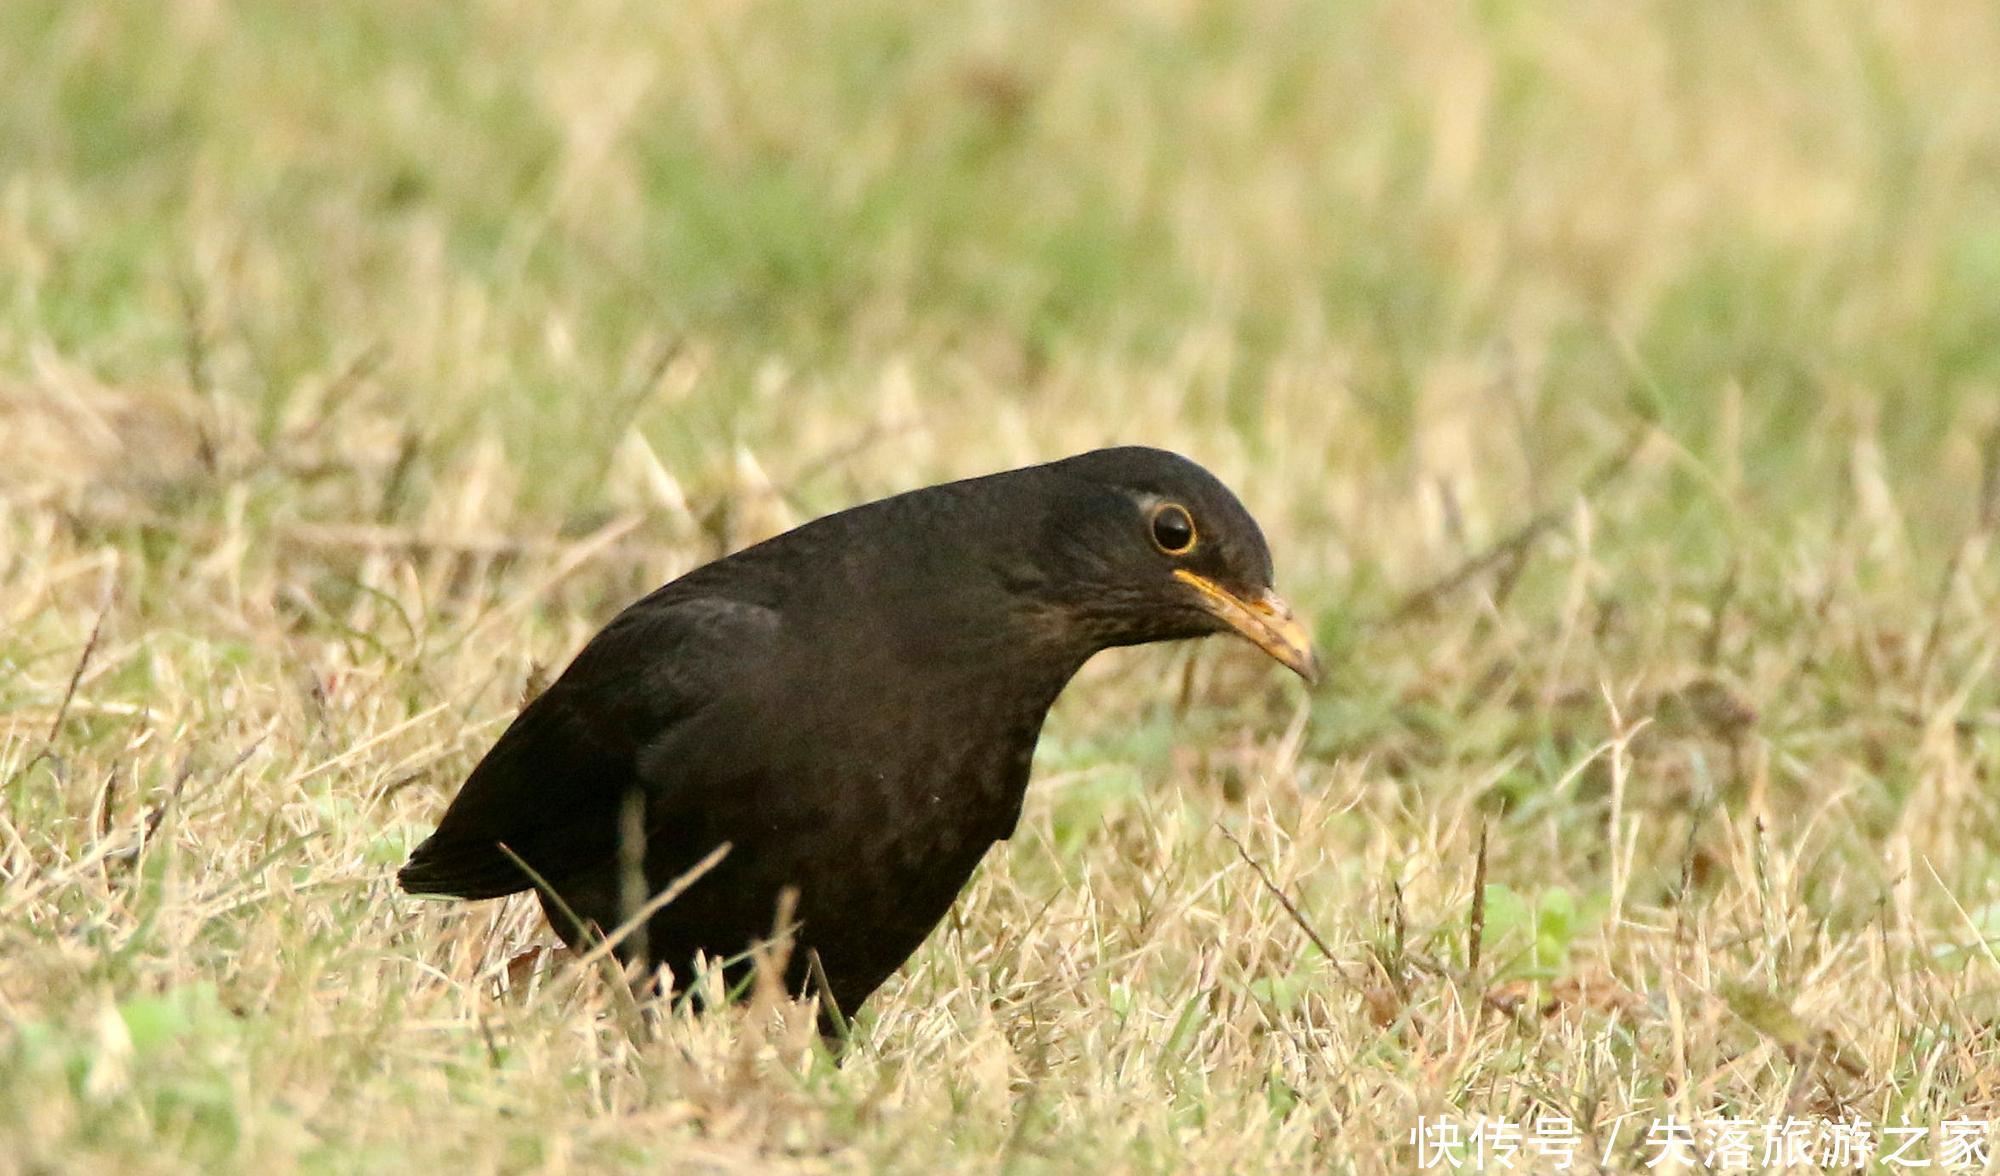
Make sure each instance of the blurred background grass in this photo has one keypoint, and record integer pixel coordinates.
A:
(333, 327)
(1792, 211)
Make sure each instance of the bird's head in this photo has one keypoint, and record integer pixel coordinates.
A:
(1143, 545)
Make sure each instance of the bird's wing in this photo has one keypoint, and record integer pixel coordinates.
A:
(551, 787)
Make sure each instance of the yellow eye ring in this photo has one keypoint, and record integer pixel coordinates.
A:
(1173, 529)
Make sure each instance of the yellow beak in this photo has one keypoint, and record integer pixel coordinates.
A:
(1267, 621)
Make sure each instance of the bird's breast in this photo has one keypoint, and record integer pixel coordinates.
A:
(888, 812)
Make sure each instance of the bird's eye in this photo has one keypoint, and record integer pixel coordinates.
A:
(1173, 529)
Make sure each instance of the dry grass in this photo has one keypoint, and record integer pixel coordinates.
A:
(357, 361)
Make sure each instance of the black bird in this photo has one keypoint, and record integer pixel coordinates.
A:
(850, 707)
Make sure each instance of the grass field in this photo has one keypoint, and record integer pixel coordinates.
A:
(1619, 385)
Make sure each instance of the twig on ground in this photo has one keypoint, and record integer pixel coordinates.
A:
(47, 753)
(1515, 546)
(104, 598)
(1291, 908)
(1475, 930)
